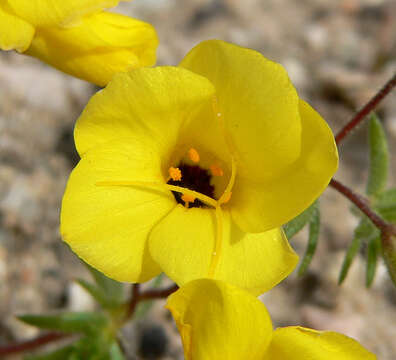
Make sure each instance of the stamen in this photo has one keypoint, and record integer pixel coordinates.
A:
(218, 242)
(159, 185)
(227, 192)
(226, 197)
(187, 198)
(175, 173)
(216, 170)
(193, 155)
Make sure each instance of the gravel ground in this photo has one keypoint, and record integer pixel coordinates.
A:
(338, 53)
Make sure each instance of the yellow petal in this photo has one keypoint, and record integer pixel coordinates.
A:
(257, 102)
(152, 102)
(15, 33)
(183, 244)
(258, 206)
(255, 261)
(98, 47)
(301, 343)
(55, 12)
(219, 321)
(107, 226)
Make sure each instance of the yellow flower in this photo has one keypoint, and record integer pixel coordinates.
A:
(192, 172)
(219, 321)
(77, 37)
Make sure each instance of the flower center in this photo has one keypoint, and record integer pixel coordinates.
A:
(195, 178)
(193, 184)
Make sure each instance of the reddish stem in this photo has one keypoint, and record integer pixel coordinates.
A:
(150, 294)
(363, 204)
(31, 344)
(134, 300)
(368, 108)
(158, 294)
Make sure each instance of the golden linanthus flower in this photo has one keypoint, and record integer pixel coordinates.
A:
(191, 170)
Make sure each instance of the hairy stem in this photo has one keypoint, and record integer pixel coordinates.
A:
(363, 204)
(366, 109)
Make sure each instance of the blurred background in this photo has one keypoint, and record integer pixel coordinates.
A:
(337, 53)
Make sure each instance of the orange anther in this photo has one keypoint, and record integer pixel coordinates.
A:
(187, 199)
(193, 155)
(216, 170)
(175, 173)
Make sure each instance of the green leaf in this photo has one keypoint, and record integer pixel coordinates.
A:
(115, 352)
(64, 353)
(373, 250)
(389, 214)
(349, 256)
(389, 254)
(314, 227)
(82, 322)
(365, 230)
(295, 225)
(379, 158)
(387, 199)
(92, 348)
(112, 290)
(386, 205)
(96, 293)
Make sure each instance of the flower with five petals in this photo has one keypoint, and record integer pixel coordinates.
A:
(219, 321)
(77, 37)
(191, 170)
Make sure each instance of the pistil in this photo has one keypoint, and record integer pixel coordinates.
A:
(159, 185)
(226, 196)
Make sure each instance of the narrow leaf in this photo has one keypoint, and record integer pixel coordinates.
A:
(389, 254)
(295, 225)
(389, 214)
(364, 230)
(113, 290)
(387, 199)
(373, 250)
(386, 205)
(96, 293)
(83, 322)
(349, 256)
(314, 227)
(379, 157)
(92, 348)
